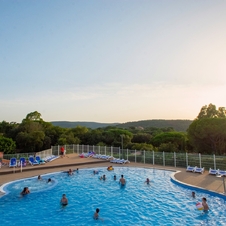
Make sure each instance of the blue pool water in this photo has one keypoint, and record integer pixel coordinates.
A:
(160, 203)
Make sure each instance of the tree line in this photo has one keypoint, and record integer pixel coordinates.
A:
(206, 134)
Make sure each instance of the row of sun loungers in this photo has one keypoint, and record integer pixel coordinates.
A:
(120, 161)
(195, 169)
(31, 160)
(104, 157)
(217, 172)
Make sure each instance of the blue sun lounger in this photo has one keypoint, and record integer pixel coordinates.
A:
(13, 162)
(199, 170)
(191, 168)
(213, 172)
(32, 161)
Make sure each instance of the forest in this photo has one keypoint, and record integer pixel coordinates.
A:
(206, 134)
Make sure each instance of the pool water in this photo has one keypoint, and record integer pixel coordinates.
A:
(160, 203)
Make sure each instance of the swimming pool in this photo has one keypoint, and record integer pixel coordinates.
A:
(160, 203)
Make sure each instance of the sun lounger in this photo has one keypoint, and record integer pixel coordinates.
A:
(199, 170)
(50, 158)
(13, 162)
(191, 168)
(221, 172)
(32, 161)
(22, 161)
(213, 172)
(39, 160)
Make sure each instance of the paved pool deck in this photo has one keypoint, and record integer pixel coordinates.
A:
(73, 161)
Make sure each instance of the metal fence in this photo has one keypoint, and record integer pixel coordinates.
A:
(150, 157)
(147, 157)
(42, 154)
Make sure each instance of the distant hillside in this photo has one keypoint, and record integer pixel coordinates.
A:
(91, 125)
(178, 125)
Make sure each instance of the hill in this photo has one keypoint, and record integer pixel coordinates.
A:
(178, 125)
(91, 125)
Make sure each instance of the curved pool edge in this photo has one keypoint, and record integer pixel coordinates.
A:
(178, 182)
(5, 192)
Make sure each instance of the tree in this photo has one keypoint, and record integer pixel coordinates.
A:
(33, 116)
(176, 138)
(208, 135)
(211, 112)
(7, 145)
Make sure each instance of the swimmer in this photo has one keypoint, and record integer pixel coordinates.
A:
(147, 181)
(25, 191)
(114, 177)
(193, 194)
(95, 172)
(64, 200)
(205, 205)
(39, 177)
(103, 177)
(70, 172)
(96, 215)
(122, 180)
(49, 180)
(77, 170)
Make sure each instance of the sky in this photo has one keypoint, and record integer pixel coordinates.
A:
(111, 60)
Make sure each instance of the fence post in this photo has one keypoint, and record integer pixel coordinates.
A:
(119, 152)
(99, 149)
(214, 161)
(127, 153)
(163, 158)
(186, 159)
(200, 163)
(144, 156)
(153, 153)
(58, 149)
(135, 156)
(105, 150)
(112, 151)
(175, 161)
(87, 148)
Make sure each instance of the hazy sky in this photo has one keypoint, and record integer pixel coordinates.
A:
(111, 60)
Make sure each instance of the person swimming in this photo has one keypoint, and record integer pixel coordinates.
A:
(96, 214)
(193, 194)
(103, 177)
(70, 172)
(64, 200)
(39, 177)
(114, 177)
(147, 181)
(25, 191)
(49, 180)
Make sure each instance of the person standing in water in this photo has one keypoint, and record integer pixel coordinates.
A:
(122, 180)
(64, 200)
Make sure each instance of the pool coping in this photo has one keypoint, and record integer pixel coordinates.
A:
(174, 180)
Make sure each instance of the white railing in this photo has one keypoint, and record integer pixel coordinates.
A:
(150, 157)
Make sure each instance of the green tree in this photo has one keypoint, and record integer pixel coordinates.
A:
(176, 138)
(7, 145)
(208, 135)
(211, 111)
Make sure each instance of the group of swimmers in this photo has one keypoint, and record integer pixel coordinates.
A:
(122, 181)
(204, 202)
(26, 189)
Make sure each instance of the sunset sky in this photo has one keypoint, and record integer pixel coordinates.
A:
(111, 60)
